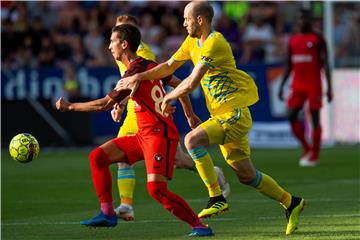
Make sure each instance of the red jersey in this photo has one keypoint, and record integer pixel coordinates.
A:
(305, 50)
(147, 100)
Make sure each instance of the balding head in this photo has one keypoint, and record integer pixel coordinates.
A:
(201, 8)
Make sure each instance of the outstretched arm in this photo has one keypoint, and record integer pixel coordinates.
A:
(98, 105)
(160, 71)
(186, 86)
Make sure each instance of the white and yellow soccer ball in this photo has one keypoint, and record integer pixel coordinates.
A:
(24, 148)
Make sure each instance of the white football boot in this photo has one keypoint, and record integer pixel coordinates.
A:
(125, 212)
(306, 162)
(224, 185)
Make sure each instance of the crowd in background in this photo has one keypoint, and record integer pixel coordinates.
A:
(67, 33)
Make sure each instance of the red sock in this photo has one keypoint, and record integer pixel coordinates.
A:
(316, 135)
(173, 203)
(298, 131)
(107, 208)
(99, 163)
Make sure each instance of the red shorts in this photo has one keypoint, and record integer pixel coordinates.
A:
(297, 98)
(158, 152)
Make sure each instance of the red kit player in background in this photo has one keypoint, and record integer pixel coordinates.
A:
(156, 140)
(307, 57)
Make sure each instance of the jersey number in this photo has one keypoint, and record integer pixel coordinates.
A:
(158, 96)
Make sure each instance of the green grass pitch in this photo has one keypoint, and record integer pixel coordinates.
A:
(47, 198)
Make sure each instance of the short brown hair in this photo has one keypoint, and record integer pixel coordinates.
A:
(130, 33)
(127, 19)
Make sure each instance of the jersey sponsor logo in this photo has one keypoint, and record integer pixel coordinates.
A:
(206, 59)
(301, 58)
(158, 157)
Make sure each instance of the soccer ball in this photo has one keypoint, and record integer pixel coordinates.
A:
(24, 148)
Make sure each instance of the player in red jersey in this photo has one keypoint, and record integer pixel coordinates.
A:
(156, 140)
(307, 57)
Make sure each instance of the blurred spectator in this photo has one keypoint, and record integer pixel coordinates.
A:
(44, 11)
(258, 40)
(174, 36)
(150, 32)
(94, 41)
(18, 15)
(71, 85)
(230, 30)
(46, 56)
(347, 36)
(59, 33)
(237, 11)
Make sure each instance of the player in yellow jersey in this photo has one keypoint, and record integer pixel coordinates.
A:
(126, 175)
(228, 93)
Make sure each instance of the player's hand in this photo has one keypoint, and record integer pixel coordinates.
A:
(166, 107)
(281, 94)
(329, 95)
(193, 121)
(62, 105)
(116, 112)
(131, 83)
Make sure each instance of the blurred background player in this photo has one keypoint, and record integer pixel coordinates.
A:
(156, 141)
(228, 92)
(307, 56)
(126, 175)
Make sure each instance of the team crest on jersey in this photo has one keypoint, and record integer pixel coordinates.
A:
(309, 44)
(158, 157)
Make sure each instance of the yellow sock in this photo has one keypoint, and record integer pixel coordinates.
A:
(205, 168)
(270, 188)
(126, 184)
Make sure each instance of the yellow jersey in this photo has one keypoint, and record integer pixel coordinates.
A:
(225, 87)
(130, 126)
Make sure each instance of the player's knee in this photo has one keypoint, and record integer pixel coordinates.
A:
(98, 158)
(315, 119)
(182, 160)
(122, 165)
(251, 179)
(177, 162)
(191, 141)
(246, 177)
(154, 189)
(293, 115)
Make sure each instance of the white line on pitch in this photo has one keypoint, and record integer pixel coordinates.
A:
(173, 220)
